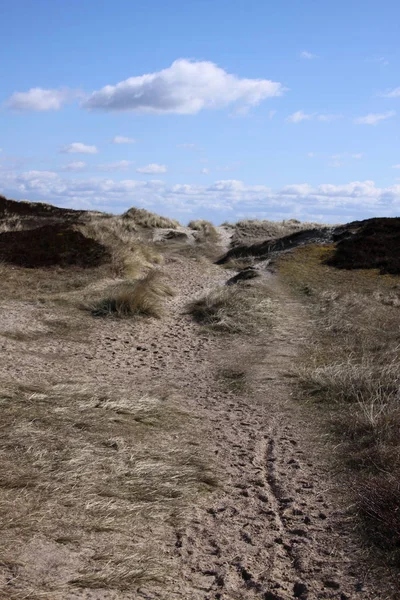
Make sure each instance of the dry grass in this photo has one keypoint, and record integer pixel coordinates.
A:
(12, 223)
(249, 231)
(203, 250)
(243, 309)
(238, 264)
(143, 218)
(141, 297)
(41, 285)
(233, 379)
(206, 230)
(353, 373)
(130, 255)
(90, 479)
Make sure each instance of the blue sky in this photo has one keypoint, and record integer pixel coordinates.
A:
(219, 109)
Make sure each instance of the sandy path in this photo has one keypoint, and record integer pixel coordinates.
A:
(277, 531)
(273, 531)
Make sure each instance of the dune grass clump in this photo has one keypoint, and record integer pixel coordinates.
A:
(130, 255)
(242, 309)
(142, 297)
(143, 218)
(205, 229)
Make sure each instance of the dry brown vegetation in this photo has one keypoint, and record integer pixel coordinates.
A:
(241, 308)
(141, 297)
(238, 264)
(248, 231)
(93, 477)
(94, 469)
(143, 218)
(205, 229)
(130, 254)
(353, 373)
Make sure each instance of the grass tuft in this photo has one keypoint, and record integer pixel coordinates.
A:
(206, 230)
(241, 309)
(143, 218)
(143, 297)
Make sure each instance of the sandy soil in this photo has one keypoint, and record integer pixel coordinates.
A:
(275, 529)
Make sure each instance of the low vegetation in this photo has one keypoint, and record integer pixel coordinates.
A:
(141, 297)
(51, 245)
(249, 231)
(267, 249)
(90, 477)
(352, 374)
(371, 244)
(143, 218)
(130, 255)
(241, 308)
(238, 264)
(205, 229)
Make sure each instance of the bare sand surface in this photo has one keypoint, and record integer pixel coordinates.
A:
(274, 529)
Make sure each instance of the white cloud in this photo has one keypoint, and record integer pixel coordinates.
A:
(335, 163)
(77, 165)
(120, 139)
(186, 146)
(298, 116)
(186, 87)
(374, 118)
(396, 166)
(228, 198)
(119, 165)
(39, 99)
(78, 148)
(395, 93)
(271, 114)
(152, 168)
(205, 171)
(308, 55)
(357, 156)
(311, 155)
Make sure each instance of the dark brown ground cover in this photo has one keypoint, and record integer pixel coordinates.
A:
(51, 245)
(370, 244)
(263, 250)
(9, 208)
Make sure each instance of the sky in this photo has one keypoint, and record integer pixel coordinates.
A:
(215, 109)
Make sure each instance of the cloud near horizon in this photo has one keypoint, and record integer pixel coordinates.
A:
(119, 165)
(152, 168)
(186, 87)
(374, 118)
(74, 166)
(300, 115)
(331, 202)
(78, 148)
(120, 139)
(395, 93)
